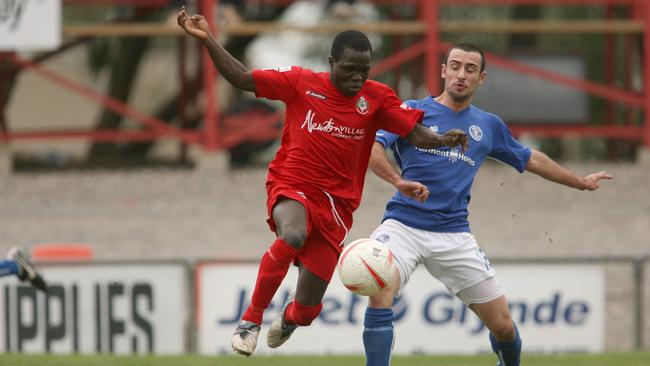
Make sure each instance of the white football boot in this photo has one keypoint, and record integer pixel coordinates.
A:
(244, 339)
(279, 332)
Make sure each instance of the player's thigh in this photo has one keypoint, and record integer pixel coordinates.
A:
(403, 243)
(290, 217)
(481, 293)
(456, 260)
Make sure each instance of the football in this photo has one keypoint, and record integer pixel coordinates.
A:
(366, 267)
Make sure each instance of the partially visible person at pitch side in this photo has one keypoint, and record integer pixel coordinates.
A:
(17, 263)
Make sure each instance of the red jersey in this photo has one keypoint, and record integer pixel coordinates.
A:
(327, 136)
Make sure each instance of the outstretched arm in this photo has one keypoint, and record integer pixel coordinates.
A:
(540, 164)
(424, 138)
(231, 69)
(381, 166)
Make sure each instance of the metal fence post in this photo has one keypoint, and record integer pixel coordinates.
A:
(639, 302)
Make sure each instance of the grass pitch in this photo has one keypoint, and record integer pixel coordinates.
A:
(607, 359)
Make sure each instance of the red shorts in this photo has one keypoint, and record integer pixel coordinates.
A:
(328, 224)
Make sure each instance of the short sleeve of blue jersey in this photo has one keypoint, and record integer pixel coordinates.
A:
(389, 139)
(386, 138)
(507, 149)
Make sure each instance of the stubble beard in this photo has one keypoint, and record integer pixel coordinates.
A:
(459, 98)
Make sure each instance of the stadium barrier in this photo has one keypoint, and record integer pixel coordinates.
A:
(386, 28)
(123, 307)
(635, 27)
(62, 251)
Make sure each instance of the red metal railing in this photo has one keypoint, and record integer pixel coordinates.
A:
(645, 9)
(142, 3)
(431, 47)
(209, 75)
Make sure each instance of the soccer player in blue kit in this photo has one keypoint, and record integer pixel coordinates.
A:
(426, 220)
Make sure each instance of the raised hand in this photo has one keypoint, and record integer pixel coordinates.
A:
(455, 137)
(415, 190)
(194, 25)
(591, 180)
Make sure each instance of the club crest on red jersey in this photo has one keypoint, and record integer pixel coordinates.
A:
(362, 105)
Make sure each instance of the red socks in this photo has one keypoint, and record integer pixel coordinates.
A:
(273, 267)
(302, 315)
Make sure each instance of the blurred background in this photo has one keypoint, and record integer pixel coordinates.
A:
(126, 160)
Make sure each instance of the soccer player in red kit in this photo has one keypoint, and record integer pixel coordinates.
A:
(315, 181)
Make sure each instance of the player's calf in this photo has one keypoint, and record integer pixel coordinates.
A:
(302, 315)
(378, 336)
(509, 353)
(293, 315)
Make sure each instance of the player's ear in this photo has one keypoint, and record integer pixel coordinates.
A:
(443, 69)
(482, 77)
(331, 61)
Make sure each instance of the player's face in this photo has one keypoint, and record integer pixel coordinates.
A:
(462, 74)
(350, 71)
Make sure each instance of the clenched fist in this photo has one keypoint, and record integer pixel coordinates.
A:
(455, 137)
(194, 25)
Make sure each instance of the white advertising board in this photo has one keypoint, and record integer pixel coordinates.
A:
(93, 308)
(558, 308)
(30, 25)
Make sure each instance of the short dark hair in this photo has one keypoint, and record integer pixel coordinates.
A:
(351, 38)
(467, 47)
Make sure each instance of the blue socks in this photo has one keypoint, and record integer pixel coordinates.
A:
(378, 340)
(378, 336)
(8, 267)
(509, 353)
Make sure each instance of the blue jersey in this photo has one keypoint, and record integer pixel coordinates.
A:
(448, 172)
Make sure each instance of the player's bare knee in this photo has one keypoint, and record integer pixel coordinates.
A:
(295, 238)
(503, 330)
(383, 299)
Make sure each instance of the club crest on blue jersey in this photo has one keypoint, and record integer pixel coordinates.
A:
(475, 132)
(362, 105)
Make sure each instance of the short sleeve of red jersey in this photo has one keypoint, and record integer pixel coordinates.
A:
(397, 117)
(278, 83)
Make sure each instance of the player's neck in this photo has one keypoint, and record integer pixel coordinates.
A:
(446, 100)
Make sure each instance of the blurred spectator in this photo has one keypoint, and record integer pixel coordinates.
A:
(343, 9)
(228, 11)
(303, 48)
